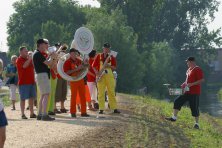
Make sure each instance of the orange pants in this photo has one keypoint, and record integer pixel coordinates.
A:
(77, 87)
(87, 96)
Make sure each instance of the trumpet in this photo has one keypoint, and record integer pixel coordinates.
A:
(56, 55)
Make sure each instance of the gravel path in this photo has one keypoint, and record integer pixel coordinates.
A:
(95, 131)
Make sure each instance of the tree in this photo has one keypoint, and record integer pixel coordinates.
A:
(31, 15)
(112, 28)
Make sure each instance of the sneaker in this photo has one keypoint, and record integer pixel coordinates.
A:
(39, 117)
(51, 113)
(196, 126)
(101, 112)
(33, 116)
(170, 119)
(116, 111)
(85, 115)
(13, 108)
(47, 118)
(73, 115)
(24, 117)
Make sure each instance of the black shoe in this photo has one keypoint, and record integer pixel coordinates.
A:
(63, 110)
(85, 115)
(47, 118)
(51, 113)
(27, 108)
(170, 119)
(39, 117)
(196, 126)
(33, 116)
(96, 105)
(57, 111)
(116, 111)
(101, 112)
(24, 117)
(73, 115)
(13, 108)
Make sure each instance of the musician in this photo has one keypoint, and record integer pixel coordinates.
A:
(91, 79)
(42, 63)
(107, 81)
(192, 89)
(26, 81)
(61, 86)
(72, 66)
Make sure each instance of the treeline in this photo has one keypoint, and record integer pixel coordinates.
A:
(152, 37)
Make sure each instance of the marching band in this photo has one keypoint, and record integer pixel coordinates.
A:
(48, 71)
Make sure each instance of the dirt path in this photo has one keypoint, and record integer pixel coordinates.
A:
(129, 129)
(65, 130)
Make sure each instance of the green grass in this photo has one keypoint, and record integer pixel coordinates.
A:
(219, 93)
(209, 135)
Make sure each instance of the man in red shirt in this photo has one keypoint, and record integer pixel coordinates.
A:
(72, 66)
(26, 81)
(191, 89)
(105, 63)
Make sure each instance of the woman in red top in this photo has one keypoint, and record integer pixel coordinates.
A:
(72, 66)
(191, 88)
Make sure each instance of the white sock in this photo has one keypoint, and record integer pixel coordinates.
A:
(174, 117)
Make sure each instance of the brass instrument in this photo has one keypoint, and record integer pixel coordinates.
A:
(83, 41)
(103, 69)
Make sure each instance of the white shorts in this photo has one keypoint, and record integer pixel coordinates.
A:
(12, 91)
(92, 90)
(43, 83)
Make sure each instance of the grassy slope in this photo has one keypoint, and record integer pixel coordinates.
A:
(155, 131)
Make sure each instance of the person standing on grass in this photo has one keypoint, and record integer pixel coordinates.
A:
(3, 119)
(11, 73)
(26, 81)
(191, 88)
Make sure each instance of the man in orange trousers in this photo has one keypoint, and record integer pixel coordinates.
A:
(72, 67)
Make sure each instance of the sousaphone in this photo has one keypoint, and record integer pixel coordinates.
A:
(83, 41)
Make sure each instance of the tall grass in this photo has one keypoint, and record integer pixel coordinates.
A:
(208, 136)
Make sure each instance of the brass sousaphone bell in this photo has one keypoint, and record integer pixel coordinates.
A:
(83, 41)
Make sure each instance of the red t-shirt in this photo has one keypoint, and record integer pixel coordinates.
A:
(72, 64)
(194, 75)
(90, 77)
(25, 75)
(100, 57)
